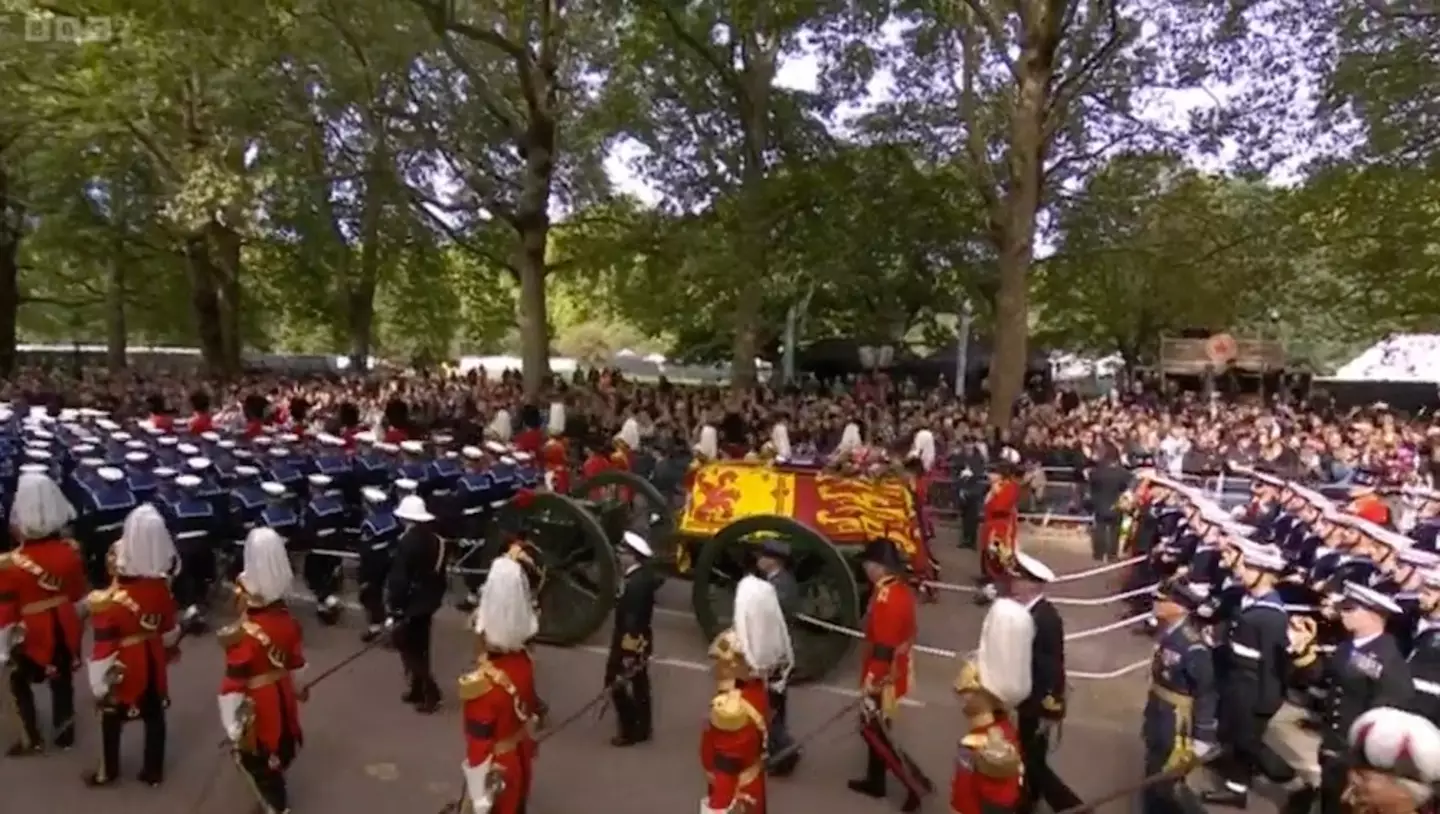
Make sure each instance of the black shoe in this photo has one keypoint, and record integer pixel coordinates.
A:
(1226, 797)
(622, 741)
(328, 616)
(428, 707)
(467, 605)
(912, 803)
(151, 779)
(371, 633)
(1300, 802)
(95, 780)
(22, 749)
(410, 697)
(195, 626)
(66, 740)
(785, 766)
(866, 788)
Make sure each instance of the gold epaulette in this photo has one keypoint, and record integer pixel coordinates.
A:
(632, 644)
(727, 711)
(995, 754)
(5, 560)
(99, 599)
(230, 635)
(475, 684)
(73, 543)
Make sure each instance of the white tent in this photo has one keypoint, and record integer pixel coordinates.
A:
(1398, 358)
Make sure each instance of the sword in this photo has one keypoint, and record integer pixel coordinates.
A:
(340, 665)
(1175, 773)
(811, 735)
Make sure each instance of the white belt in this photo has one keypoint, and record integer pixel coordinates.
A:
(1244, 652)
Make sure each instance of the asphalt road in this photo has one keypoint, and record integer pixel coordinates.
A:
(365, 751)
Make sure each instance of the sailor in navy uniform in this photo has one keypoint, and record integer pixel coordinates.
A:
(106, 500)
(1254, 661)
(167, 451)
(279, 514)
(332, 461)
(527, 473)
(1366, 671)
(1425, 652)
(415, 466)
(1179, 718)
(222, 454)
(323, 528)
(469, 506)
(1426, 532)
(192, 524)
(140, 473)
(379, 532)
(285, 470)
(444, 472)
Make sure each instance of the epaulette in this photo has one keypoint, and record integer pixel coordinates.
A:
(74, 544)
(727, 711)
(230, 635)
(99, 599)
(4, 560)
(995, 755)
(475, 684)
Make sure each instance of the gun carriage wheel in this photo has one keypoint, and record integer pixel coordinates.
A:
(828, 589)
(647, 511)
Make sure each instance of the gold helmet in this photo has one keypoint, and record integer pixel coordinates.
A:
(729, 657)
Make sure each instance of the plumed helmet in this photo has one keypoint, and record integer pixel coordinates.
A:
(732, 429)
(255, 407)
(299, 409)
(349, 414)
(397, 413)
(200, 401)
(999, 669)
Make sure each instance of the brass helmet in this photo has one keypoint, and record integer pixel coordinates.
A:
(729, 657)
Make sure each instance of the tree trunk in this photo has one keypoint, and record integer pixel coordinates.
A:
(12, 222)
(532, 229)
(117, 335)
(360, 291)
(225, 245)
(205, 305)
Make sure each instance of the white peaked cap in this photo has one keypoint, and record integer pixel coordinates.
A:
(522, 457)
(556, 424)
(760, 626)
(472, 452)
(110, 474)
(709, 444)
(1370, 598)
(226, 444)
(167, 441)
(34, 469)
(145, 548)
(1037, 570)
(267, 575)
(188, 481)
(637, 544)
(289, 438)
(407, 484)
(496, 448)
(412, 447)
(210, 435)
(137, 457)
(412, 508)
(500, 428)
(272, 488)
(40, 509)
(630, 433)
(245, 471)
(780, 438)
(188, 449)
(1006, 637)
(198, 463)
(136, 444)
(320, 480)
(505, 617)
(1398, 743)
(164, 472)
(374, 494)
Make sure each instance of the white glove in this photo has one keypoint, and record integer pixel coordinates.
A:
(1203, 749)
(390, 623)
(1049, 728)
(234, 733)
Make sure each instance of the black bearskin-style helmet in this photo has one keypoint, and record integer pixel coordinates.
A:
(349, 414)
(155, 403)
(530, 417)
(200, 401)
(732, 429)
(299, 409)
(255, 407)
(397, 413)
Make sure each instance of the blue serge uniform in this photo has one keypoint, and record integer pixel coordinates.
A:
(324, 524)
(1180, 710)
(194, 527)
(379, 532)
(99, 521)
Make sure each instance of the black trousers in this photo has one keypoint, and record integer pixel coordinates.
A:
(374, 569)
(1334, 776)
(779, 733)
(1042, 784)
(1244, 732)
(24, 673)
(323, 575)
(266, 773)
(150, 711)
(633, 710)
(970, 506)
(1104, 537)
(197, 573)
(93, 551)
(412, 640)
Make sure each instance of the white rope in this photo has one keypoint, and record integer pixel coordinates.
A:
(1140, 618)
(1101, 569)
(1116, 673)
(1100, 600)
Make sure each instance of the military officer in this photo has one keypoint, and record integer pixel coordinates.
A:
(1396, 760)
(1364, 672)
(1179, 718)
(772, 564)
(259, 698)
(137, 634)
(989, 765)
(1254, 661)
(40, 583)
(627, 670)
(554, 454)
(970, 482)
(379, 530)
(1041, 715)
(414, 591)
(1425, 655)
(194, 527)
(322, 527)
(500, 704)
(1000, 526)
(105, 500)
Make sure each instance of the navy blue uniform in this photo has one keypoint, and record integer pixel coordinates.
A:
(379, 532)
(325, 528)
(99, 520)
(192, 523)
(1181, 710)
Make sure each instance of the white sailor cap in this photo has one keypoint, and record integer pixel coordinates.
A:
(523, 457)
(320, 480)
(442, 439)
(34, 469)
(450, 454)
(137, 457)
(1418, 557)
(92, 462)
(187, 449)
(167, 441)
(329, 440)
(496, 448)
(289, 438)
(120, 436)
(188, 481)
(279, 452)
(385, 446)
(38, 443)
(1393, 539)
(262, 440)
(473, 453)
(244, 454)
(81, 450)
(164, 472)
(507, 460)
(110, 473)
(89, 439)
(226, 444)
(407, 484)
(90, 412)
(198, 464)
(272, 488)
(106, 424)
(246, 471)
(37, 454)
(1262, 557)
(151, 429)
(374, 494)
(1431, 577)
(1368, 598)
(44, 435)
(637, 544)
(412, 447)
(366, 437)
(136, 443)
(6, 414)
(1031, 567)
(210, 435)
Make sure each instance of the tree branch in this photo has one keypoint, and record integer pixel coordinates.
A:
(1386, 9)
(1073, 84)
(995, 33)
(702, 50)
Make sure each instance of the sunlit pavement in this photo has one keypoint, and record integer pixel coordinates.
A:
(365, 751)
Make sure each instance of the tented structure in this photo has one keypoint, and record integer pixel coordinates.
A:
(1398, 358)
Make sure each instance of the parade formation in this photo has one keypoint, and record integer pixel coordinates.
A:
(151, 533)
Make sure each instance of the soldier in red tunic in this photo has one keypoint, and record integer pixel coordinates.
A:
(554, 455)
(732, 747)
(622, 459)
(885, 673)
(264, 656)
(1000, 524)
(500, 707)
(136, 637)
(40, 584)
(989, 766)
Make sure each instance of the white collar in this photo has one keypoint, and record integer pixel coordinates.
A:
(1364, 640)
(1034, 600)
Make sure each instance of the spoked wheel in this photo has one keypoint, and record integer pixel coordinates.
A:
(646, 510)
(577, 572)
(828, 591)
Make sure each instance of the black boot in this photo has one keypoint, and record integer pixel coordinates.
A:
(912, 803)
(97, 780)
(873, 783)
(1226, 797)
(1300, 801)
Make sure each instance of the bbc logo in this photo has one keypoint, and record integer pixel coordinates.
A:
(51, 28)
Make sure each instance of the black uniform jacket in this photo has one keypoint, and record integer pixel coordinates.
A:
(1047, 664)
(1425, 670)
(1255, 659)
(1360, 675)
(633, 634)
(416, 583)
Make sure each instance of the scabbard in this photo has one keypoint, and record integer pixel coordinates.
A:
(896, 761)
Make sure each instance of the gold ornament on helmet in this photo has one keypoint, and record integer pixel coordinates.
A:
(729, 657)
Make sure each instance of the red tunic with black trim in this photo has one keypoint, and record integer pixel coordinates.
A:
(556, 461)
(623, 460)
(999, 528)
(886, 665)
(162, 422)
(395, 435)
(39, 586)
(988, 770)
(732, 747)
(530, 441)
(499, 708)
(133, 620)
(262, 652)
(201, 422)
(594, 464)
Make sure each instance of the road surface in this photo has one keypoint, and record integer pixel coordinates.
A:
(365, 751)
